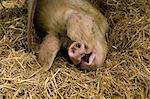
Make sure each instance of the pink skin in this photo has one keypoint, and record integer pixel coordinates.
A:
(83, 56)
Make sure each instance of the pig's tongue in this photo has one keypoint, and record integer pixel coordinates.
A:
(88, 58)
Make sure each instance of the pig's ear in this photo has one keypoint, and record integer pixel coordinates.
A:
(31, 11)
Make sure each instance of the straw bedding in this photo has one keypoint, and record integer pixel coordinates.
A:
(124, 75)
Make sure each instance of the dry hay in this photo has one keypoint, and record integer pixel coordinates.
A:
(125, 74)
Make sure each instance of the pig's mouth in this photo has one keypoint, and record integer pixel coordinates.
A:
(88, 59)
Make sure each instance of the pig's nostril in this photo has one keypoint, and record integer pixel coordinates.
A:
(73, 50)
(78, 45)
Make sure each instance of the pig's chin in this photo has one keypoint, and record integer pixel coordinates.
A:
(88, 59)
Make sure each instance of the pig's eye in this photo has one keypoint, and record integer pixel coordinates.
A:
(85, 47)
